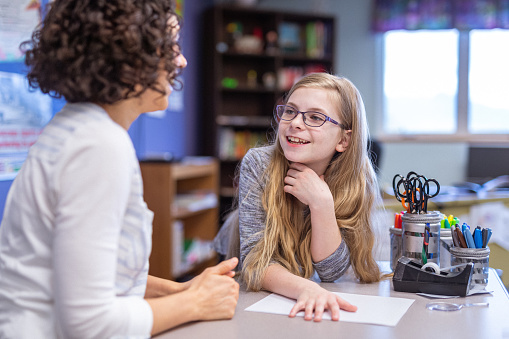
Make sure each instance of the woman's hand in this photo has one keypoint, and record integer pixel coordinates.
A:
(315, 300)
(304, 184)
(215, 292)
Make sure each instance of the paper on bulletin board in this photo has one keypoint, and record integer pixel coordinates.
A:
(18, 18)
(23, 114)
(386, 311)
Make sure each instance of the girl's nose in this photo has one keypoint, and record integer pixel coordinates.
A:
(298, 121)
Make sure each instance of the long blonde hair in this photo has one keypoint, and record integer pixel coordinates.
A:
(352, 181)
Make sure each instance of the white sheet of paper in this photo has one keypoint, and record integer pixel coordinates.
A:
(386, 311)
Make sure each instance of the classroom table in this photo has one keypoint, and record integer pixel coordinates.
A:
(418, 322)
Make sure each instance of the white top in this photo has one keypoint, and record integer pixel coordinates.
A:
(76, 234)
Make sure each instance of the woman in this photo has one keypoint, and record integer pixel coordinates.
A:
(76, 234)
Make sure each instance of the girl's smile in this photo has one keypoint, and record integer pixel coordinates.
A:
(294, 141)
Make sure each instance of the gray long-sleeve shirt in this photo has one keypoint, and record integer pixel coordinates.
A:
(252, 216)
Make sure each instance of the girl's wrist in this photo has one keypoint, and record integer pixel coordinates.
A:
(322, 206)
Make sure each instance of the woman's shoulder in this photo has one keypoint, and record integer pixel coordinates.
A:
(79, 127)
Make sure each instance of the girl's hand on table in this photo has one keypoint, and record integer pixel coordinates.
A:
(316, 300)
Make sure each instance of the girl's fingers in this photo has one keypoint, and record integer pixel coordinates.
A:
(296, 308)
(308, 312)
(345, 305)
(334, 310)
(290, 181)
(319, 308)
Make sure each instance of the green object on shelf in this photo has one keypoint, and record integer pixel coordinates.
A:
(187, 244)
(230, 82)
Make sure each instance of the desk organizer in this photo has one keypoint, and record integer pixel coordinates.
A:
(480, 257)
(413, 233)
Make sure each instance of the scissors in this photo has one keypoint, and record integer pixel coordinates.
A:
(426, 192)
(414, 191)
(402, 196)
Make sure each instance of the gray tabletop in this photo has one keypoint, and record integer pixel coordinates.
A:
(418, 322)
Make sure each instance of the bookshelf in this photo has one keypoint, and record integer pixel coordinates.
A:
(251, 58)
(184, 199)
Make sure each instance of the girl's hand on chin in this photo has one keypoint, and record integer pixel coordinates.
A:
(304, 184)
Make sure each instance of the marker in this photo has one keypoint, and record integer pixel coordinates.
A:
(468, 238)
(478, 237)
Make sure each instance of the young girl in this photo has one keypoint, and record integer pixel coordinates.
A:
(305, 202)
(76, 234)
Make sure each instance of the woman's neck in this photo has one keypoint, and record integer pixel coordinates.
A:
(122, 112)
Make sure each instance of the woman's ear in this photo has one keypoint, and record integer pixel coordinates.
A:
(344, 141)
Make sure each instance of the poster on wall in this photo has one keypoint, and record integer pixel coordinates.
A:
(23, 114)
(17, 21)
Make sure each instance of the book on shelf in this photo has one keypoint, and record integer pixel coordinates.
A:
(177, 247)
(315, 39)
(234, 144)
(289, 37)
(193, 201)
(187, 253)
(310, 38)
(196, 250)
(288, 76)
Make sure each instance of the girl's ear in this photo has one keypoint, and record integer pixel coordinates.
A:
(344, 141)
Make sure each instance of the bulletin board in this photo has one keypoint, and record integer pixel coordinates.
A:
(23, 112)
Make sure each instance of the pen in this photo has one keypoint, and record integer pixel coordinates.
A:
(469, 239)
(425, 244)
(461, 238)
(489, 235)
(478, 237)
(455, 239)
(465, 227)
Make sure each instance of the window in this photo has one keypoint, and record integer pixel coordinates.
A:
(489, 81)
(422, 89)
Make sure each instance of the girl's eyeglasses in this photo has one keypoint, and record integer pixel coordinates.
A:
(312, 119)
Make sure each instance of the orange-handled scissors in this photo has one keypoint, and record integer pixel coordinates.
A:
(402, 191)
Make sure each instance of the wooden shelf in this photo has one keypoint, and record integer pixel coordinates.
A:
(239, 120)
(182, 171)
(162, 183)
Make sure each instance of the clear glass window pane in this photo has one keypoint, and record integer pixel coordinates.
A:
(420, 81)
(488, 81)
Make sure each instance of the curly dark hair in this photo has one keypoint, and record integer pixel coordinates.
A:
(102, 51)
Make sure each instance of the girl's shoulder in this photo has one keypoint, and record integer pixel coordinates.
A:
(256, 160)
(259, 154)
